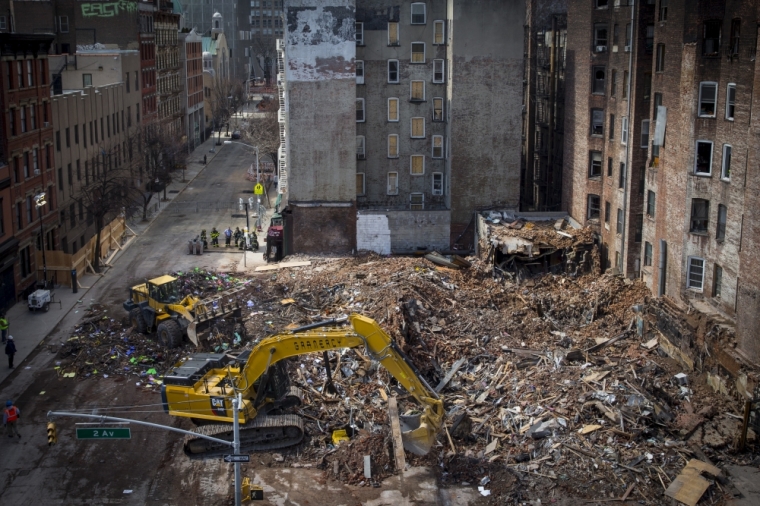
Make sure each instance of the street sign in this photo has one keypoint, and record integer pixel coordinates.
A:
(258, 189)
(237, 458)
(104, 433)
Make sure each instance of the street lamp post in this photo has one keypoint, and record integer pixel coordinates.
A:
(258, 197)
(39, 201)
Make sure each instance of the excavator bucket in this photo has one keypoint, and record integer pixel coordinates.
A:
(417, 436)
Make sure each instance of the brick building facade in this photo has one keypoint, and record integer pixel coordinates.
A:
(191, 62)
(26, 163)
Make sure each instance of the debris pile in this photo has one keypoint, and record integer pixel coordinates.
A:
(552, 386)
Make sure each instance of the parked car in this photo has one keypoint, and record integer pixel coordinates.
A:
(236, 134)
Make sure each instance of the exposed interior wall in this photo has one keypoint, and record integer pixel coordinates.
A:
(315, 230)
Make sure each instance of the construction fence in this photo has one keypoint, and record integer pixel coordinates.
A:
(60, 264)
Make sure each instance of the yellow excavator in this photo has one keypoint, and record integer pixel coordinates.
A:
(202, 388)
(159, 305)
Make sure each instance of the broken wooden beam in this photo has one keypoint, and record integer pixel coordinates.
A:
(398, 444)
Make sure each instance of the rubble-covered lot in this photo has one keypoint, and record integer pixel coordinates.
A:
(553, 387)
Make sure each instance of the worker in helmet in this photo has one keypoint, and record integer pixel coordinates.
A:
(204, 239)
(214, 237)
(237, 235)
(10, 419)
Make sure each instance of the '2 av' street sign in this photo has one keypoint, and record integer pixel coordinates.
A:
(104, 433)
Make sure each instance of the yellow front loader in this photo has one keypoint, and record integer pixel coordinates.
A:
(158, 305)
(203, 386)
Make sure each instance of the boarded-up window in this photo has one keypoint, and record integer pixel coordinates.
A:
(393, 146)
(418, 128)
(393, 39)
(417, 165)
(360, 183)
(392, 109)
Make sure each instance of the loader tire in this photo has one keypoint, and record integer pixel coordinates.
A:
(169, 334)
(137, 319)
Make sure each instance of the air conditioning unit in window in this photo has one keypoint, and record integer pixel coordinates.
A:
(627, 49)
(601, 49)
(360, 156)
(36, 172)
(47, 124)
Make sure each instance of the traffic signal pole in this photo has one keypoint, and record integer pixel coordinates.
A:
(235, 443)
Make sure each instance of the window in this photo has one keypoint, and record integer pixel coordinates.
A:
(437, 146)
(3, 26)
(417, 91)
(33, 116)
(29, 73)
(22, 110)
(624, 130)
(25, 157)
(644, 134)
(663, 14)
(615, 34)
(360, 110)
(599, 80)
(76, 134)
(711, 37)
(600, 37)
(619, 224)
(650, 203)
(417, 165)
(621, 175)
(126, 80)
(642, 180)
(72, 215)
(625, 84)
(639, 231)
(700, 213)
(393, 39)
(418, 13)
(717, 280)
(25, 261)
(359, 72)
(359, 184)
(417, 201)
(707, 96)
(360, 155)
(613, 83)
(437, 184)
(392, 183)
(612, 127)
(63, 24)
(696, 273)
(595, 164)
(720, 231)
(438, 71)
(418, 52)
(438, 31)
(359, 33)
(649, 40)
(36, 161)
(736, 25)
(393, 146)
(627, 37)
(703, 158)
(597, 122)
(19, 216)
(68, 137)
(660, 60)
(392, 71)
(600, 4)
(730, 101)
(418, 128)
(594, 207)
(647, 254)
(609, 167)
(19, 74)
(393, 109)
(607, 208)
(86, 80)
(438, 109)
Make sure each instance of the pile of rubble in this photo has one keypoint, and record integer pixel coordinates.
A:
(552, 386)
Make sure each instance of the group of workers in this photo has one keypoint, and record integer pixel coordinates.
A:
(238, 235)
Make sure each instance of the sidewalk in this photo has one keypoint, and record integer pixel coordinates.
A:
(30, 328)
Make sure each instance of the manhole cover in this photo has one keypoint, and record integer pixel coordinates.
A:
(238, 216)
(173, 191)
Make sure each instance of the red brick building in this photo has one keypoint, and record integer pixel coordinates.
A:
(26, 163)
(661, 146)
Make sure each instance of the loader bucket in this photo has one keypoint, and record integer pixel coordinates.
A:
(417, 435)
(192, 333)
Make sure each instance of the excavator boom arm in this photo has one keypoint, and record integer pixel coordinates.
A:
(420, 429)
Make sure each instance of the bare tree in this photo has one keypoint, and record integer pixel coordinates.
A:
(227, 97)
(108, 190)
(162, 155)
(264, 129)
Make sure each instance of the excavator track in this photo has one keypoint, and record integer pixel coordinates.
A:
(261, 434)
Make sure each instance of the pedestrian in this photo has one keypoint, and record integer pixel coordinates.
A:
(4, 326)
(10, 350)
(238, 234)
(204, 239)
(10, 419)
(214, 237)
(227, 237)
